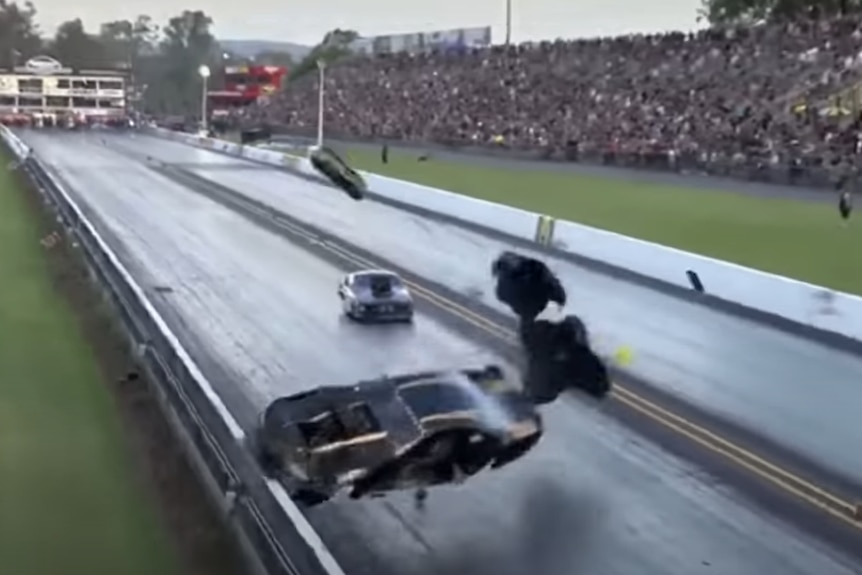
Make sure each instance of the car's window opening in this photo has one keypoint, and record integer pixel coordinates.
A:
(323, 430)
(340, 425)
(358, 419)
(433, 398)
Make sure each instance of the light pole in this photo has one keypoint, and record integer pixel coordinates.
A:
(321, 69)
(204, 72)
(508, 22)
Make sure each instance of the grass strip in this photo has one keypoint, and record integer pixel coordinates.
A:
(794, 238)
(70, 498)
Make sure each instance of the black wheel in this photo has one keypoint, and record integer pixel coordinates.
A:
(269, 463)
(599, 388)
(308, 497)
(516, 450)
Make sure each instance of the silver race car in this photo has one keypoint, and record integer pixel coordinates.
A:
(375, 296)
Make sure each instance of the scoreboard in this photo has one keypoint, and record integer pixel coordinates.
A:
(44, 86)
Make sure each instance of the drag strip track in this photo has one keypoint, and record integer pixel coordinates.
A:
(791, 390)
(259, 310)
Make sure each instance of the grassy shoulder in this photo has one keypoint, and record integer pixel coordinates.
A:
(790, 237)
(74, 496)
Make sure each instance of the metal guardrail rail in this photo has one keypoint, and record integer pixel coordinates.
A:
(271, 529)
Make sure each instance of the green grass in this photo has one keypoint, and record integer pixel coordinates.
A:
(69, 500)
(794, 238)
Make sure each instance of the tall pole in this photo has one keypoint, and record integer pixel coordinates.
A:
(508, 22)
(204, 111)
(204, 72)
(321, 75)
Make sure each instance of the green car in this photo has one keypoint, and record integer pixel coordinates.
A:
(336, 170)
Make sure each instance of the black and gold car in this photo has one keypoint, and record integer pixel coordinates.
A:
(335, 169)
(395, 432)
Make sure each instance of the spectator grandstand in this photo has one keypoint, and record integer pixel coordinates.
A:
(776, 100)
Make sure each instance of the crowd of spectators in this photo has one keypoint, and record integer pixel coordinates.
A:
(736, 98)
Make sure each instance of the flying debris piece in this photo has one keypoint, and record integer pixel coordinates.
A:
(335, 169)
(51, 240)
(559, 352)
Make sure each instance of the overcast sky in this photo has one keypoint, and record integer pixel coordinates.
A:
(305, 22)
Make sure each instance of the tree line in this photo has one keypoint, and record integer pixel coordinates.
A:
(161, 58)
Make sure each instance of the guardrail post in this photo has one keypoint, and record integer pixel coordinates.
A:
(230, 499)
(140, 350)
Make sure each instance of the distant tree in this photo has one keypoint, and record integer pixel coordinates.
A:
(127, 40)
(719, 12)
(334, 46)
(187, 44)
(73, 46)
(135, 44)
(189, 38)
(19, 34)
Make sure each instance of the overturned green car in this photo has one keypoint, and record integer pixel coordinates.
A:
(336, 170)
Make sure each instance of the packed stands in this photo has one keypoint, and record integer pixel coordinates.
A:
(756, 102)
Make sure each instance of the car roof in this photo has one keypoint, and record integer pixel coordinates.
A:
(452, 392)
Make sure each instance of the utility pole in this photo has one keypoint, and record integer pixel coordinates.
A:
(508, 22)
(321, 91)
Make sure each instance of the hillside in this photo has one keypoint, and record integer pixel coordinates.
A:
(251, 48)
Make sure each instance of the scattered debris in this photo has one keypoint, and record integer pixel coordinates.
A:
(51, 240)
(130, 377)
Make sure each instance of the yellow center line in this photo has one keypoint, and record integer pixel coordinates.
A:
(660, 412)
(842, 512)
(785, 480)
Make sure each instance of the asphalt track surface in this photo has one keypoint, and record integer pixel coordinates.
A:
(793, 391)
(261, 316)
